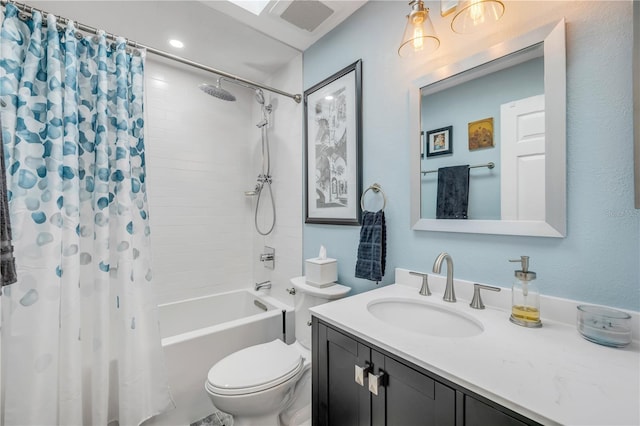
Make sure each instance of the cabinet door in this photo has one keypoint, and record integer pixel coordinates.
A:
(411, 398)
(338, 398)
(477, 413)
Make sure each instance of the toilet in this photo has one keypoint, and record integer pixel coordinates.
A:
(270, 384)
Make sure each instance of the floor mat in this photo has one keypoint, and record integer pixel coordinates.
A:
(216, 419)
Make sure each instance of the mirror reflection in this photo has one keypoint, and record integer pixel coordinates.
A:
(482, 114)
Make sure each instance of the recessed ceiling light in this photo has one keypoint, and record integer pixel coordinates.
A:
(176, 43)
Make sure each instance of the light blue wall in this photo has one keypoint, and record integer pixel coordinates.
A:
(598, 260)
(459, 105)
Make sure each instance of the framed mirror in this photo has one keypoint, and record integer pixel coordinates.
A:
(496, 103)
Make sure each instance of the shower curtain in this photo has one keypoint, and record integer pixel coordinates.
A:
(80, 338)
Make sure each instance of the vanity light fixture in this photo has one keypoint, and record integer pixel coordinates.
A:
(472, 15)
(419, 34)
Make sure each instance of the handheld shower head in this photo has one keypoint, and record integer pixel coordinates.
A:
(217, 91)
(260, 96)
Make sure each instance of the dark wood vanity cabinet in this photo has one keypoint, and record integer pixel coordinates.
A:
(407, 395)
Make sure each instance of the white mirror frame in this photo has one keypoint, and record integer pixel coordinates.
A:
(554, 225)
(636, 99)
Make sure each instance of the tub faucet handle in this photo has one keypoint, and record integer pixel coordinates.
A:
(268, 257)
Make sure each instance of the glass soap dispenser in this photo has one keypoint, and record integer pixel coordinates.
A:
(525, 297)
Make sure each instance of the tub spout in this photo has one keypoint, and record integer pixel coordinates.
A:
(264, 284)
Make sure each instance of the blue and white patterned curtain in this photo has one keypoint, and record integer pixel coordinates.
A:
(80, 338)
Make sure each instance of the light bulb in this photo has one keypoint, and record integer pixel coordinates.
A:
(476, 12)
(418, 43)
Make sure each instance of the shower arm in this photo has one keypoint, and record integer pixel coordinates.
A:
(229, 77)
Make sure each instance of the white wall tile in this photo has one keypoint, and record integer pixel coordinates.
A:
(197, 162)
(202, 154)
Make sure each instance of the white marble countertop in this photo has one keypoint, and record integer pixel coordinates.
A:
(550, 374)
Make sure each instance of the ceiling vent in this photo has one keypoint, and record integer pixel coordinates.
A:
(306, 15)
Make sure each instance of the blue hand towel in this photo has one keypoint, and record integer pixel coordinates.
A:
(372, 249)
(453, 192)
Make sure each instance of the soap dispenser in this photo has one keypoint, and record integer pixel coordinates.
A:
(525, 297)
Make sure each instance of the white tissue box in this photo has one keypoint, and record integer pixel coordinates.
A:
(321, 272)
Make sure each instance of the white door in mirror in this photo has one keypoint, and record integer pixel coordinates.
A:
(523, 159)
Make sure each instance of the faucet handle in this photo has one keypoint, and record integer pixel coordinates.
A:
(476, 302)
(424, 289)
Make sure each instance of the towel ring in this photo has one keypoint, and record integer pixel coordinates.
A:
(376, 188)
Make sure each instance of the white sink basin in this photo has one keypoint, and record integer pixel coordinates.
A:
(424, 318)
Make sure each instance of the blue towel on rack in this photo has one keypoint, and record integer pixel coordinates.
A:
(372, 249)
(453, 192)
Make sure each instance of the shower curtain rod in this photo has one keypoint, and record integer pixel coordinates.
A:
(234, 78)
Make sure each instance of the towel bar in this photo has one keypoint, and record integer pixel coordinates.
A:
(489, 165)
(376, 188)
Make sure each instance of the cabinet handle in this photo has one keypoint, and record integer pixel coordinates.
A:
(376, 381)
(361, 372)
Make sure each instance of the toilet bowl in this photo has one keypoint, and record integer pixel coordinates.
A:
(269, 384)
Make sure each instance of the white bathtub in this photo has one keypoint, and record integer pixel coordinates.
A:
(197, 333)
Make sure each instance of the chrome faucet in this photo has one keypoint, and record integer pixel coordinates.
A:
(449, 293)
(263, 284)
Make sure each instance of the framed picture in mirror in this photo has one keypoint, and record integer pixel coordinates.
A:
(481, 134)
(439, 141)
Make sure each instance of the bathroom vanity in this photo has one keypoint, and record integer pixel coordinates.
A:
(463, 366)
(406, 393)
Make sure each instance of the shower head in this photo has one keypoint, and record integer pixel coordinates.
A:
(217, 91)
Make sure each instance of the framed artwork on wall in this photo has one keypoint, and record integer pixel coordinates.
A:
(481, 134)
(439, 141)
(333, 148)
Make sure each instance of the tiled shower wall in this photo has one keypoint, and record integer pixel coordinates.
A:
(202, 154)
(286, 143)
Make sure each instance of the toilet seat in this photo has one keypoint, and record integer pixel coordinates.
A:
(254, 369)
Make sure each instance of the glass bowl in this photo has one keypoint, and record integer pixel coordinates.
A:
(605, 326)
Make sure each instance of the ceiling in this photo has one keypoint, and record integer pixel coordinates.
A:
(297, 23)
(215, 33)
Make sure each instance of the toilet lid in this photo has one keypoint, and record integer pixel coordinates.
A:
(254, 369)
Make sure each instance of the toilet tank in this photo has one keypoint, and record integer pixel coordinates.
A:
(308, 296)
